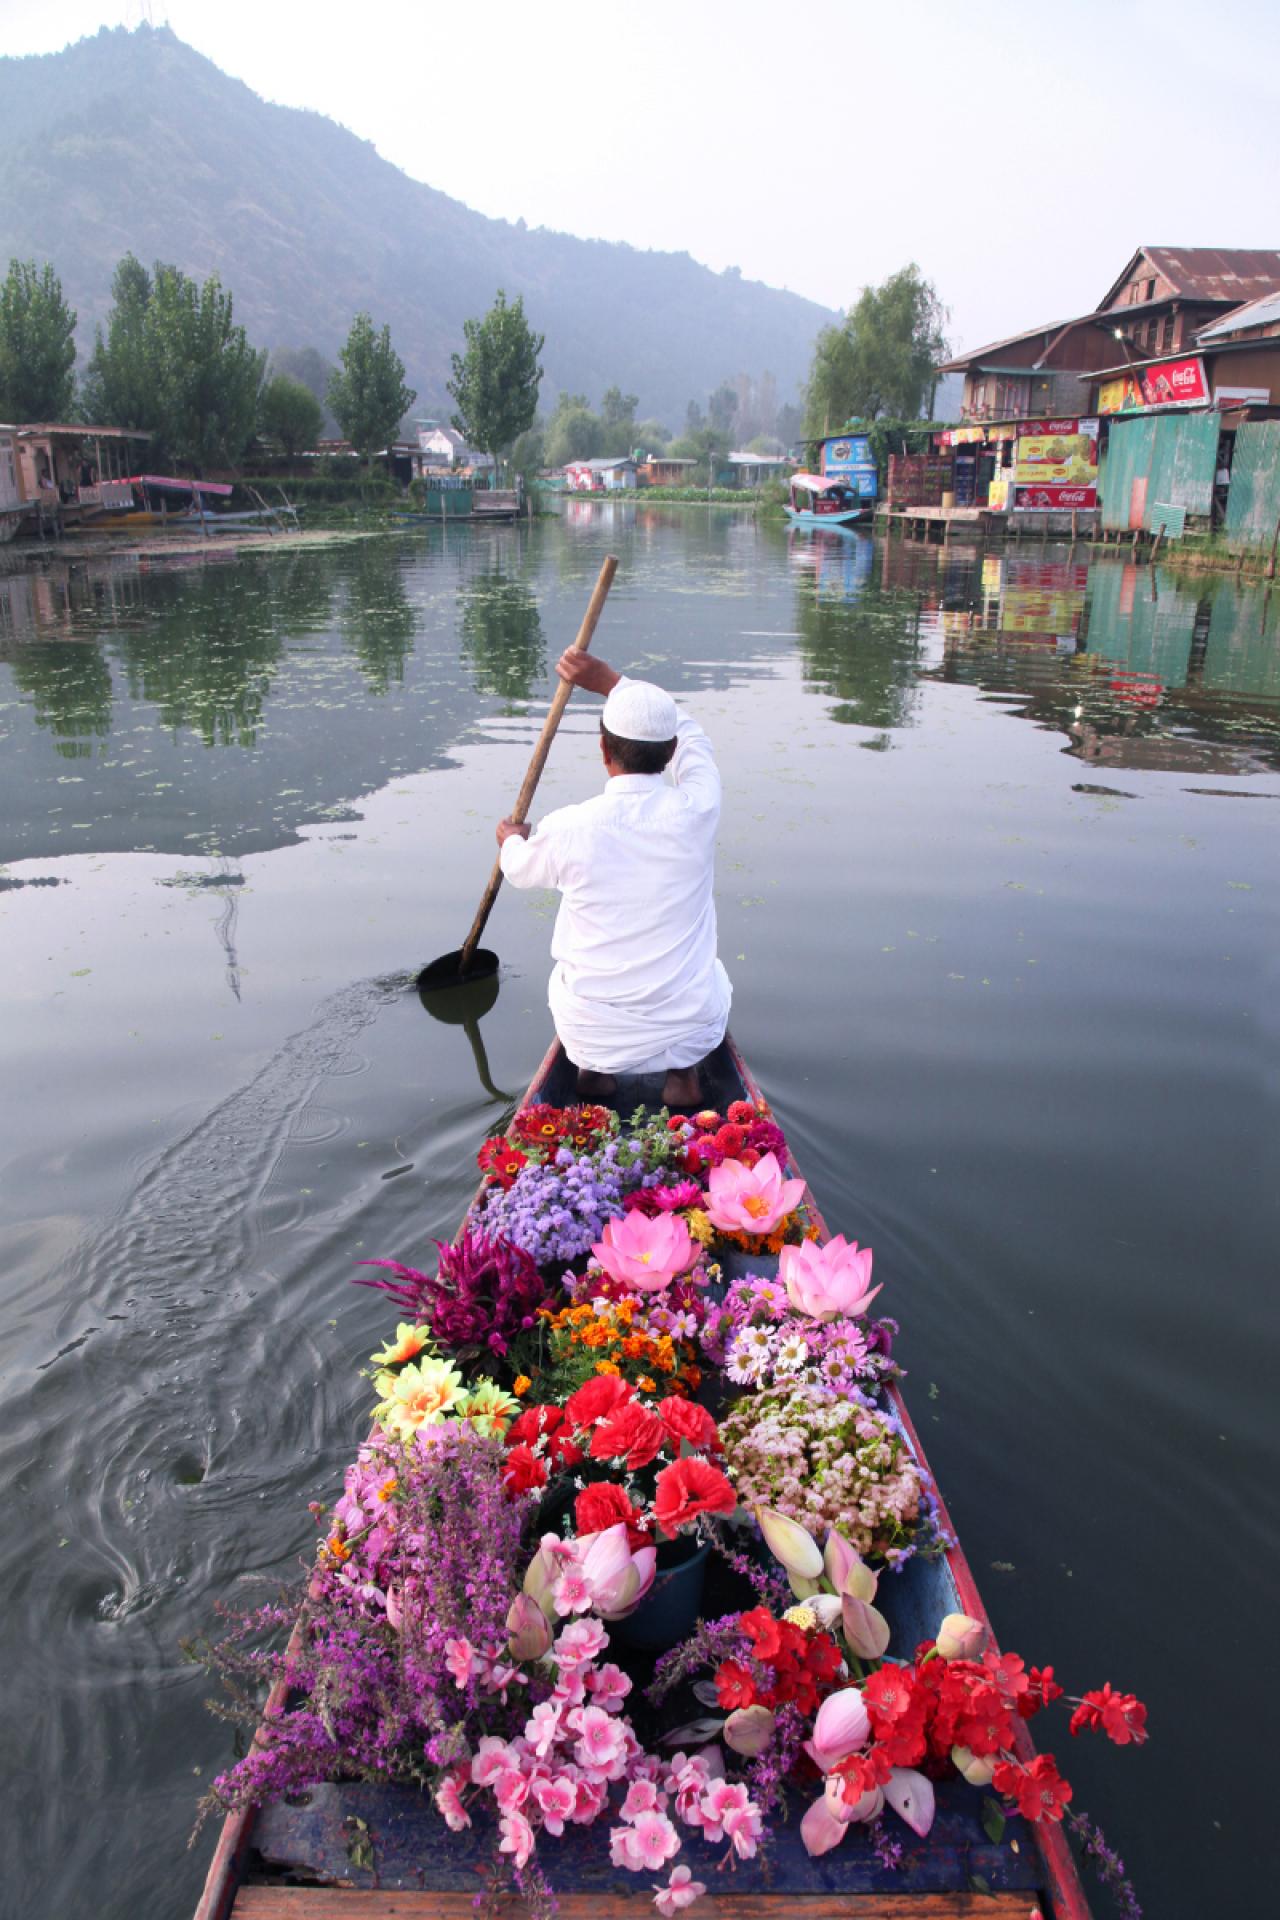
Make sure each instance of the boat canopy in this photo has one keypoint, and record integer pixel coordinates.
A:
(179, 486)
(819, 482)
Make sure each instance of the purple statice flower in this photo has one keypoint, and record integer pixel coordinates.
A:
(556, 1211)
(384, 1682)
(887, 1848)
(485, 1293)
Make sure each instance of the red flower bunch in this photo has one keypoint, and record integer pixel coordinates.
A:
(787, 1665)
(745, 1133)
(539, 1442)
(500, 1161)
(603, 1504)
(920, 1713)
(547, 1128)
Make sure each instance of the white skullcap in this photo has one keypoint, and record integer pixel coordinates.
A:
(637, 710)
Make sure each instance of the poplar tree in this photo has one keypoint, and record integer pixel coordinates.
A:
(37, 345)
(495, 382)
(367, 394)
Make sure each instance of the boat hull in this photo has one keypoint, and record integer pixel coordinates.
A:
(435, 1873)
(847, 519)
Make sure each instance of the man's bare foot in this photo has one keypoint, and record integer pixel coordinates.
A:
(682, 1088)
(596, 1086)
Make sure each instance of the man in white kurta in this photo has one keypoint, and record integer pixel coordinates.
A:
(637, 986)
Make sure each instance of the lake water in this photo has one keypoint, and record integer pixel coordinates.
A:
(997, 891)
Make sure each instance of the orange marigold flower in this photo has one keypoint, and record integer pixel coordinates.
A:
(646, 1384)
(521, 1385)
(607, 1366)
(338, 1547)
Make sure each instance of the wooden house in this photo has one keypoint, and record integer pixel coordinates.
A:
(661, 470)
(70, 473)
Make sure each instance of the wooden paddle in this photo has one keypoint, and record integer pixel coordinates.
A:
(465, 964)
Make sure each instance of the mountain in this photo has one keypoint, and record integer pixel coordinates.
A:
(132, 141)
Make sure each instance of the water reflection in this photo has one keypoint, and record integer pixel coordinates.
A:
(375, 616)
(855, 648)
(501, 635)
(1137, 666)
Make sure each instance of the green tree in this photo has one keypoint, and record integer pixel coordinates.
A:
(367, 394)
(652, 435)
(721, 409)
(289, 414)
(574, 434)
(37, 345)
(309, 367)
(207, 375)
(118, 388)
(882, 359)
(495, 382)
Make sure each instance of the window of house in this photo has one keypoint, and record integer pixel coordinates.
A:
(1166, 333)
(1149, 291)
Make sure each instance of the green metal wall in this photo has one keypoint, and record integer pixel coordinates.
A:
(1253, 503)
(1174, 453)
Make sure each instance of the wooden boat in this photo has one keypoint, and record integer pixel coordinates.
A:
(819, 501)
(294, 1861)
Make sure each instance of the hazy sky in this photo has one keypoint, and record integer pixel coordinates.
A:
(1018, 152)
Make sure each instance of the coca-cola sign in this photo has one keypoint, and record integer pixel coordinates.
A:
(1170, 383)
(1038, 498)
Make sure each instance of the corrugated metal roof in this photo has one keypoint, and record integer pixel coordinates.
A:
(1255, 313)
(80, 433)
(1206, 273)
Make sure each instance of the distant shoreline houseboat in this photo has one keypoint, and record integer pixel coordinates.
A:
(64, 475)
(601, 476)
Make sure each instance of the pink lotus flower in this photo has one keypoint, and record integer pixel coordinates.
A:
(757, 1199)
(910, 1795)
(961, 1637)
(643, 1253)
(828, 1282)
(821, 1829)
(618, 1576)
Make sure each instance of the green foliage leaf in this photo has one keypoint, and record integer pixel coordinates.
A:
(993, 1820)
(37, 345)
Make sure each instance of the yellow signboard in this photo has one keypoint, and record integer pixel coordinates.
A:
(1058, 459)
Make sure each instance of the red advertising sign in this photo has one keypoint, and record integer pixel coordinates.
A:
(1039, 498)
(1172, 383)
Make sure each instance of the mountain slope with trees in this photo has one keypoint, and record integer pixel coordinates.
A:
(133, 142)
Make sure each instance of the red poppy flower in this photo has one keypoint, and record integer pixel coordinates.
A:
(734, 1686)
(596, 1400)
(603, 1504)
(764, 1633)
(522, 1470)
(633, 1433)
(689, 1488)
(890, 1694)
(686, 1420)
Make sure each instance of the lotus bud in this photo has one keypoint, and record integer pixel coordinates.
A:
(540, 1581)
(865, 1628)
(961, 1637)
(846, 1570)
(748, 1730)
(803, 1589)
(978, 1770)
(911, 1797)
(790, 1543)
(868, 1806)
(529, 1629)
(841, 1727)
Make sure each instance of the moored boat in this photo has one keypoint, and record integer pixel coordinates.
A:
(333, 1851)
(817, 500)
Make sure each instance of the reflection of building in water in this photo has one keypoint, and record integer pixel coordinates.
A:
(69, 602)
(1134, 668)
(839, 564)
